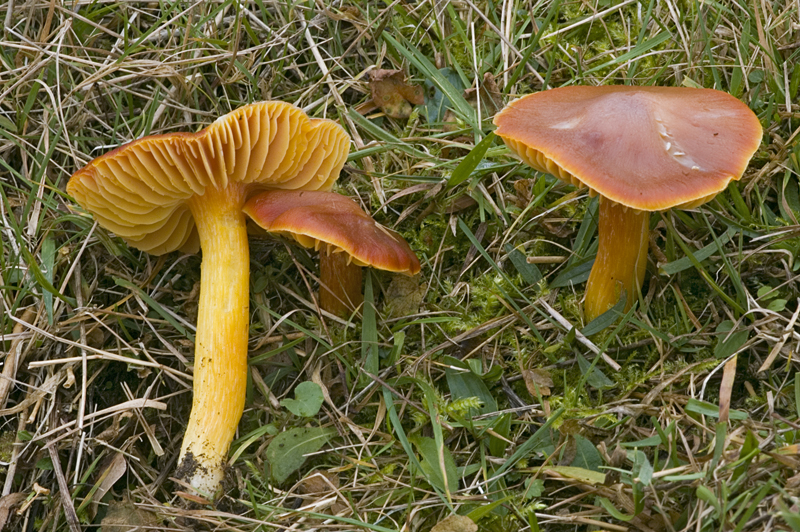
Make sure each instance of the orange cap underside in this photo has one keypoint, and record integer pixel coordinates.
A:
(140, 190)
(314, 218)
(648, 148)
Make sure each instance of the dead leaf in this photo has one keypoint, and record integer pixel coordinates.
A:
(792, 483)
(726, 388)
(7, 504)
(116, 468)
(124, 516)
(455, 523)
(349, 13)
(322, 483)
(319, 482)
(392, 94)
(537, 381)
(491, 97)
(404, 296)
(523, 188)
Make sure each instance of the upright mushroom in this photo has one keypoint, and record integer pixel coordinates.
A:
(641, 149)
(348, 236)
(177, 191)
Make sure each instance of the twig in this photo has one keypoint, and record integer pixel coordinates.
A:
(579, 335)
(66, 500)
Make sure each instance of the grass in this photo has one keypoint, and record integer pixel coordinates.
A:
(468, 389)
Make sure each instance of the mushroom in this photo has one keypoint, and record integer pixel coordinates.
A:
(177, 191)
(351, 239)
(641, 149)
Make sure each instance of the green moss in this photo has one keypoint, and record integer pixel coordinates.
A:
(6, 446)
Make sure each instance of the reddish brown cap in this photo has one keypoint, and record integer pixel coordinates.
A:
(140, 190)
(649, 148)
(316, 218)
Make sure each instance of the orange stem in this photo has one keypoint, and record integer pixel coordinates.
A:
(621, 258)
(340, 284)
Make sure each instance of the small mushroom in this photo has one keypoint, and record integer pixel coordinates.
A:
(641, 149)
(347, 237)
(180, 191)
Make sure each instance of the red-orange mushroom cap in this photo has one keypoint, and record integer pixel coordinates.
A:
(649, 148)
(323, 218)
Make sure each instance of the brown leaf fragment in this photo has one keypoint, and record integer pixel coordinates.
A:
(455, 523)
(8, 503)
(792, 483)
(491, 98)
(392, 94)
(537, 381)
(460, 203)
(124, 516)
(348, 13)
(112, 473)
(726, 388)
(523, 188)
(404, 296)
(319, 482)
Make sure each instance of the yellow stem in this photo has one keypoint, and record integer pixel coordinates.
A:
(621, 258)
(340, 284)
(220, 358)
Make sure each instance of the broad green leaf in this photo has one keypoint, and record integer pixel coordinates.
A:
(711, 410)
(369, 333)
(464, 384)
(671, 268)
(431, 464)
(530, 272)
(468, 164)
(585, 476)
(534, 487)
(307, 402)
(596, 378)
(610, 508)
(587, 456)
(436, 102)
(48, 263)
(287, 452)
(642, 469)
(728, 343)
(483, 511)
(574, 275)
(607, 318)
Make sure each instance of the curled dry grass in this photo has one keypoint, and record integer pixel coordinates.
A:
(691, 413)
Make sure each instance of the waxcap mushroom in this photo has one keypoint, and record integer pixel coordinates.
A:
(336, 225)
(183, 190)
(640, 149)
(141, 190)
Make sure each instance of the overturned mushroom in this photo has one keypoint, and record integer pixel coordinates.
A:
(180, 191)
(347, 237)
